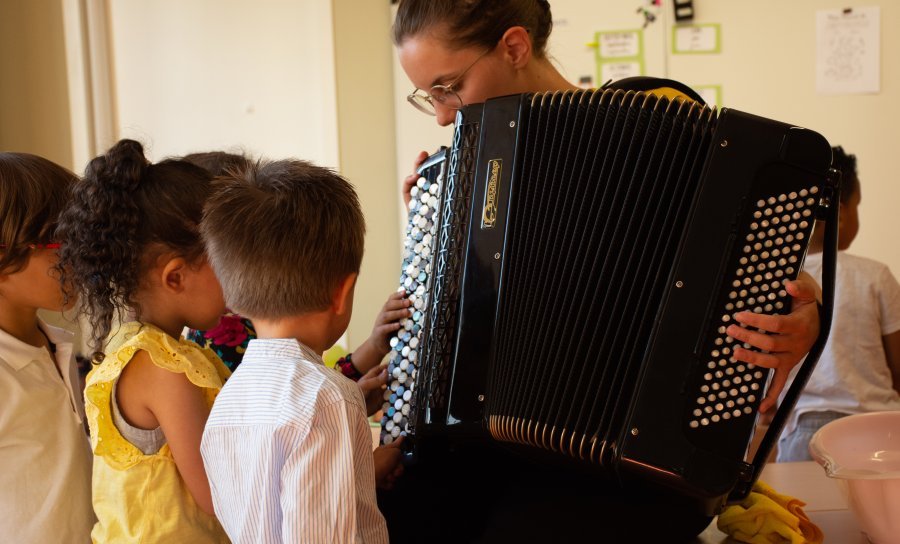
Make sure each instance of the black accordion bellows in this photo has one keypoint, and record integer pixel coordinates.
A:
(590, 249)
(625, 238)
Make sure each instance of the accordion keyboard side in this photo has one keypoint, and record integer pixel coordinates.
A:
(755, 213)
(399, 407)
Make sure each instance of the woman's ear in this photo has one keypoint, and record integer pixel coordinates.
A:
(342, 300)
(172, 274)
(515, 46)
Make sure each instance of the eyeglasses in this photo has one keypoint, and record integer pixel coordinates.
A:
(51, 245)
(442, 94)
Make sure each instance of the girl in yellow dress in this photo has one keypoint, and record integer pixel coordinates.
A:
(132, 251)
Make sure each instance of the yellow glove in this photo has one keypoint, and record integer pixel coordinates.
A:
(768, 517)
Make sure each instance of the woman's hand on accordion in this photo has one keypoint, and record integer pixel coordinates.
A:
(411, 179)
(787, 340)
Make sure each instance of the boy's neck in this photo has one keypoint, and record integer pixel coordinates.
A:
(21, 323)
(313, 330)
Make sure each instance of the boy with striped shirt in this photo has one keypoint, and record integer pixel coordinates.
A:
(287, 447)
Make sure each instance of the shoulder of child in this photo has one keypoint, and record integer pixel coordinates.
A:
(176, 356)
(860, 261)
(337, 388)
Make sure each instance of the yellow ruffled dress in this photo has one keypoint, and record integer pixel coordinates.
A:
(138, 497)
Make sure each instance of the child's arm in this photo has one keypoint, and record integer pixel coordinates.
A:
(387, 464)
(370, 353)
(150, 396)
(892, 354)
(372, 385)
(791, 336)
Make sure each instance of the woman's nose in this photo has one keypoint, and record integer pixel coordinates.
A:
(445, 116)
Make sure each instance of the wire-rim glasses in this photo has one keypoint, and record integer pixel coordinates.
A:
(442, 94)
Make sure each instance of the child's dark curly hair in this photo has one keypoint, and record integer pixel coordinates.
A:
(846, 163)
(124, 213)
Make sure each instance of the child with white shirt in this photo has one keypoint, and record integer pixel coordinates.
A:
(287, 447)
(45, 482)
(859, 370)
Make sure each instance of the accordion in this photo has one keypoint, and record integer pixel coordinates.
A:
(575, 258)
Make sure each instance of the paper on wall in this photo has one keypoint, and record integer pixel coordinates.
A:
(619, 70)
(848, 51)
(613, 45)
(703, 38)
(619, 54)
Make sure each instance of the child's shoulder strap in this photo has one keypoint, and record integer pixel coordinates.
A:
(199, 365)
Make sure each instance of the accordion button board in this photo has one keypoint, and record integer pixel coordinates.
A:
(416, 271)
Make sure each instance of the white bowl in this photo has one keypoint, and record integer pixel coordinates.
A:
(863, 452)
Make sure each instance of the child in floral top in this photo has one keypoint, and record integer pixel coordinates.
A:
(228, 339)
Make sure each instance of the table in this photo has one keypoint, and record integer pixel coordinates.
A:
(825, 504)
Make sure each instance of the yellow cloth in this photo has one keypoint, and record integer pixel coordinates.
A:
(137, 497)
(768, 517)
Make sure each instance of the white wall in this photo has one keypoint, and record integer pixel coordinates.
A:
(766, 67)
(366, 142)
(226, 74)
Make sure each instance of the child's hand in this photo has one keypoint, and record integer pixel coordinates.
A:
(387, 464)
(411, 179)
(790, 336)
(372, 351)
(388, 322)
(372, 385)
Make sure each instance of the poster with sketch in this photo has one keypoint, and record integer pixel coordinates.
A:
(848, 51)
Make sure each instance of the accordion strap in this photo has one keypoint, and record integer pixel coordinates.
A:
(829, 262)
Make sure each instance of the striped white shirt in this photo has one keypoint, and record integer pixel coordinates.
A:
(288, 451)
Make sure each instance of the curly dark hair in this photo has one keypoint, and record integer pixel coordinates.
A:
(846, 163)
(124, 213)
(474, 22)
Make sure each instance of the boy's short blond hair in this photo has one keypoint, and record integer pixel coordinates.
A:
(281, 236)
(33, 193)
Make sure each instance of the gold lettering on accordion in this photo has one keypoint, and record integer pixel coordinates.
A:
(489, 212)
